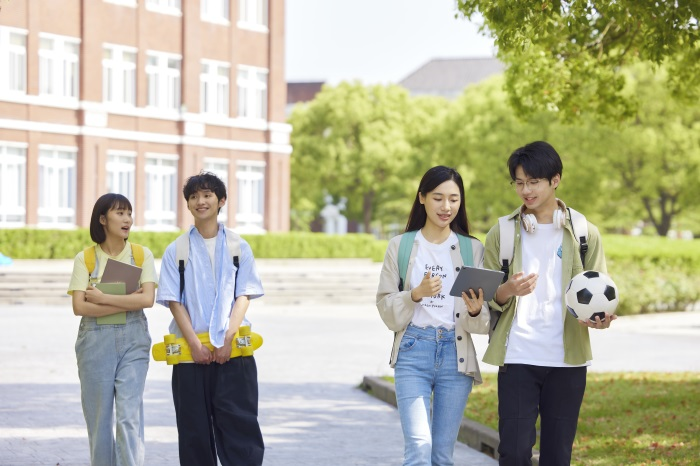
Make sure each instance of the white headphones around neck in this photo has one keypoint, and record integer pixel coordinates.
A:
(529, 221)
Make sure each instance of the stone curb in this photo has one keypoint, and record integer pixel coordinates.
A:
(471, 433)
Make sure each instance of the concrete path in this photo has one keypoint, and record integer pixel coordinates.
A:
(313, 358)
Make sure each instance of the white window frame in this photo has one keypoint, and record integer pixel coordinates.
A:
(161, 176)
(254, 15)
(57, 186)
(13, 185)
(59, 70)
(121, 173)
(250, 196)
(164, 81)
(219, 167)
(167, 7)
(252, 92)
(216, 11)
(13, 61)
(215, 87)
(119, 75)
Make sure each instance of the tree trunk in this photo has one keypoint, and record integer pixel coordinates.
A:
(367, 201)
(667, 210)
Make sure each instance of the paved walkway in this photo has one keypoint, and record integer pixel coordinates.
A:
(311, 362)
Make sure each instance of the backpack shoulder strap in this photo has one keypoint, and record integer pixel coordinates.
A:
(138, 254)
(90, 257)
(182, 254)
(579, 225)
(465, 248)
(405, 248)
(506, 226)
(233, 241)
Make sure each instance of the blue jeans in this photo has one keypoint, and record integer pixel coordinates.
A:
(427, 365)
(112, 366)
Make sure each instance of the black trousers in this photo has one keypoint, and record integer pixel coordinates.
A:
(216, 408)
(553, 393)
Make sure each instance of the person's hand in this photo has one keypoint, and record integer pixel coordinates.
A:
(473, 302)
(598, 323)
(429, 286)
(518, 284)
(201, 354)
(93, 295)
(139, 291)
(223, 354)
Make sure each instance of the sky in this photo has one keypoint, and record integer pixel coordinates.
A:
(374, 41)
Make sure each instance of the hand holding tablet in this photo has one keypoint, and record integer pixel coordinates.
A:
(474, 278)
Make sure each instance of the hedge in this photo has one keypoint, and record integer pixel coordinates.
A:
(653, 274)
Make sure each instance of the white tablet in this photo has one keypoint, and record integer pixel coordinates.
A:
(475, 278)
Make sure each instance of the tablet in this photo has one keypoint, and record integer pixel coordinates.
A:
(475, 278)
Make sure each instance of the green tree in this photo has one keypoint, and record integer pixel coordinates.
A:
(355, 141)
(567, 56)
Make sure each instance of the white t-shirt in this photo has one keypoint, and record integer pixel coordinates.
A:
(537, 334)
(438, 310)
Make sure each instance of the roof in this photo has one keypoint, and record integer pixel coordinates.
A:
(448, 77)
(302, 91)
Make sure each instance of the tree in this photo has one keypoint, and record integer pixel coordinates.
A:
(567, 56)
(354, 141)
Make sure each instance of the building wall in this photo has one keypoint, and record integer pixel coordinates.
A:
(252, 151)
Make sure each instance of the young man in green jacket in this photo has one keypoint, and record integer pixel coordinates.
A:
(542, 350)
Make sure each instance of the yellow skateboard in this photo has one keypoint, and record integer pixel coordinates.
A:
(174, 350)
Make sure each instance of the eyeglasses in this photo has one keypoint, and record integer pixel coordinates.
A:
(532, 184)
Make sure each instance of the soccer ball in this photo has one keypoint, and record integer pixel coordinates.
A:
(591, 294)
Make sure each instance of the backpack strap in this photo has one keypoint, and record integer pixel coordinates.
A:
(182, 253)
(138, 254)
(405, 248)
(507, 244)
(465, 248)
(579, 225)
(90, 257)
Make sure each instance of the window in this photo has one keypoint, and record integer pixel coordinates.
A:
(161, 191)
(214, 87)
(163, 73)
(58, 66)
(254, 12)
(171, 7)
(251, 196)
(119, 75)
(13, 59)
(252, 92)
(215, 10)
(219, 167)
(13, 185)
(121, 173)
(57, 186)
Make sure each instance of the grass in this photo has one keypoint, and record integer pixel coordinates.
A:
(635, 418)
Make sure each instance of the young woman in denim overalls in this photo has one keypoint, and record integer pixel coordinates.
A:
(433, 354)
(112, 357)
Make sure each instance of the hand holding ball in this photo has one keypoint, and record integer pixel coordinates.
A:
(591, 294)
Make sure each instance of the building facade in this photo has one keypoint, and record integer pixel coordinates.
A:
(134, 96)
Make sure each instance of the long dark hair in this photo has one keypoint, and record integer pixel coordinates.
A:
(431, 180)
(104, 204)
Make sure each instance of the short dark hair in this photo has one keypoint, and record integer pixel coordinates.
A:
(431, 180)
(106, 202)
(204, 180)
(538, 159)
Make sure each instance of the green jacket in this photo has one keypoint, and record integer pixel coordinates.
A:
(577, 345)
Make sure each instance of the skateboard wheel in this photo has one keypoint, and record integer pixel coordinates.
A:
(169, 339)
(172, 360)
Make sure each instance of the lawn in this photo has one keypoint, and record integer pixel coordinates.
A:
(626, 418)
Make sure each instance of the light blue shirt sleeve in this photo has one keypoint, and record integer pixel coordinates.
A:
(169, 283)
(247, 280)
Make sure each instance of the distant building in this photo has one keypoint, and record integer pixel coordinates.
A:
(134, 96)
(301, 92)
(447, 77)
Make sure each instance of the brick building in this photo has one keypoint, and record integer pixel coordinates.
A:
(134, 96)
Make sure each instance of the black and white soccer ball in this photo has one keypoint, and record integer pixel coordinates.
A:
(591, 294)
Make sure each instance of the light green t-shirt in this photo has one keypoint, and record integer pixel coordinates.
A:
(80, 279)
